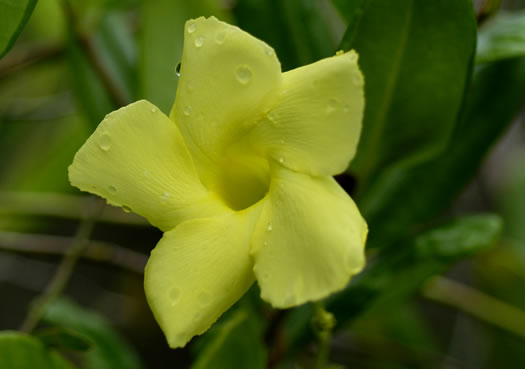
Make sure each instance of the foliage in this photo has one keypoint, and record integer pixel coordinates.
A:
(440, 203)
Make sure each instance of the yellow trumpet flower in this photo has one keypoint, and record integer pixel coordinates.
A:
(239, 177)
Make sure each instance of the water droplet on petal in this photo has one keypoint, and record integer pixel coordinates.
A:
(265, 243)
(199, 41)
(269, 51)
(165, 196)
(190, 86)
(219, 37)
(153, 110)
(112, 189)
(104, 142)
(243, 74)
(126, 208)
(187, 110)
(281, 159)
(192, 27)
(357, 80)
(204, 298)
(331, 106)
(174, 295)
(177, 69)
(270, 227)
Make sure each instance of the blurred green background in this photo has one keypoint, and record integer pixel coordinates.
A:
(439, 176)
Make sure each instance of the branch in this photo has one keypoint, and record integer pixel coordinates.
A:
(61, 205)
(21, 58)
(58, 245)
(65, 269)
(477, 304)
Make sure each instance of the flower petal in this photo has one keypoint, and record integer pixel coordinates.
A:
(137, 159)
(197, 271)
(315, 126)
(228, 78)
(308, 241)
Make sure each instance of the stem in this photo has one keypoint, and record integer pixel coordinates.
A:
(477, 304)
(64, 271)
(323, 323)
(58, 245)
(118, 96)
(61, 205)
(21, 58)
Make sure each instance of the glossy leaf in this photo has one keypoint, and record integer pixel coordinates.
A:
(21, 351)
(502, 37)
(406, 199)
(416, 57)
(13, 17)
(234, 344)
(109, 350)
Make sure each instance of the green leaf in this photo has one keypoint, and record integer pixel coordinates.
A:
(13, 17)
(512, 199)
(109, 350)
(417, 57)
(298, 30)
(404, 200)
(502, 37)
(62, 338)
(21, 351)
(161, 40)
(234, 344)
(397, 273)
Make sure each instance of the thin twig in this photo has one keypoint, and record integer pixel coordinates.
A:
(476, 303)
(118, 96)
(61, 205)
(41, 244)
(323, 324)
(65, 269)
(22, 57)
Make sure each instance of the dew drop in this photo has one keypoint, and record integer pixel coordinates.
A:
(281, 140)
(187, 110)
(243, 74)
(269, 51)
(153, 110)
(192, 27)
(104, 142)
(265, 243)
(204, 298)
(112, 189)
(177, 69)
(126, 208)
(357, 80)
(270, 227)
(190, 86)
(331, 106)
(174, 295)
(199, 41)
(165, 196)
(219, 37)
(281, 159)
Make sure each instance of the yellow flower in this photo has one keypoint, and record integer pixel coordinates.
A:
(239, 178)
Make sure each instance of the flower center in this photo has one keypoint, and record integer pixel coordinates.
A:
(243, 180)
